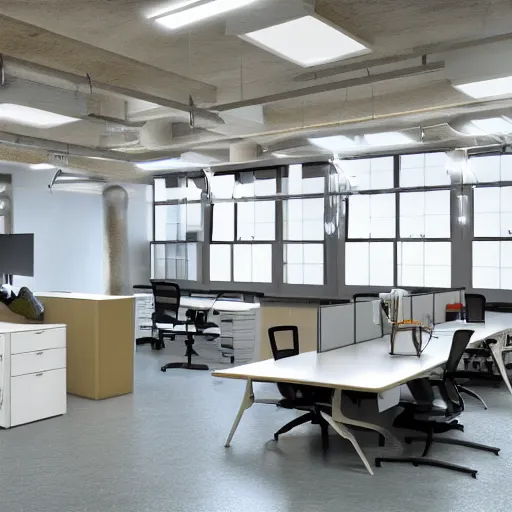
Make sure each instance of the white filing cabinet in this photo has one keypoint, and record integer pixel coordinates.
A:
(32, 373)
(144, 308)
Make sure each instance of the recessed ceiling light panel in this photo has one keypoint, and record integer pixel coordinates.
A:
(209, 9)
(29, 116)
(491, 125)
(387, 139)
(164, 165)
(334, 143)
(307, 41)
(487, 88)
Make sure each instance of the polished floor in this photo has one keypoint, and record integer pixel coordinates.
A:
(161, 449)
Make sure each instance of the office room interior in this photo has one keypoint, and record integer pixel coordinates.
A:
(255, 253)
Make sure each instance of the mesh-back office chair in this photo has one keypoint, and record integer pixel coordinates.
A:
(432, 407)
(475, 308)
(165, 320)
(296, 396)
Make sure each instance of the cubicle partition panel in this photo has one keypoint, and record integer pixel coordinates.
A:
(367, 321)
(422, 308)
(442, 299)
(335, 326)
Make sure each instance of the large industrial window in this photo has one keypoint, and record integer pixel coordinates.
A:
(178, 228)
(489, 169)
(304, 225)
(5, 204)
(370, 173)
(424, 170)
(238, 252)
(492, 231)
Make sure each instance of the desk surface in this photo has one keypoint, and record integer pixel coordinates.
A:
(366, 366)
(81, 296)
(223, 305)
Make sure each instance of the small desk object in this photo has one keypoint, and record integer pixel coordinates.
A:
(100, 341)
(32, 373)
(366, 367)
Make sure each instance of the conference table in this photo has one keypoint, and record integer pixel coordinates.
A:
(366, 367)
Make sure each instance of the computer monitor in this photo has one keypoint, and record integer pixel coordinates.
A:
(17, 255)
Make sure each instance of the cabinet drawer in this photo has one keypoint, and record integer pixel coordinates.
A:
(38, 396)
(41, 361)
(34, 341)
(244, 335)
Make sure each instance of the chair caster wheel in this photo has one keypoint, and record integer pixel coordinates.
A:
(415, 464)
(408, 440)
(232, 359)
(377, 463)
(276, 437)
(163, 369)
(473, 475)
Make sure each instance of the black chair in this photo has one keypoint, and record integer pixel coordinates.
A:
(475, 308)
(425, 411)
(165, 321)
(299, 397)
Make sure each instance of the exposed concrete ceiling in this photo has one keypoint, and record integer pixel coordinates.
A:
(141, 73)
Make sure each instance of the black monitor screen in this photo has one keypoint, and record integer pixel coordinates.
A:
(17, 255)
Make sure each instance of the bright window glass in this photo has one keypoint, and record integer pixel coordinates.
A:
(424, 264)
(372, 216)
(369, 263)
(425, 214)
(492, 212)
(370, 173)
(304, 264)
(423, 170)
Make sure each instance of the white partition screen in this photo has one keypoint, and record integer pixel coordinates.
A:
(365, 327)
(336, 327)
(423, 308)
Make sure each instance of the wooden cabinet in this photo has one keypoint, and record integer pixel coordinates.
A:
(100, 334)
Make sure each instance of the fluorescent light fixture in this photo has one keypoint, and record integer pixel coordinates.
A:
(168, 164)
(491, 125)
(29, 116)
(334, 143)
(387, 139)
(174, 6)
(487, 88)
(42, 167)
(200, 12)
(306, 41)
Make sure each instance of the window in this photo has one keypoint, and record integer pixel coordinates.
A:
(5, 204)
(493, 212)
(178, 227)
(369, 263)
(304, 264)
(424, 264)
(491, 168)
(492, 265)
(372, 216)
(304, 219)
(370, 173)
(424, 170)
(425, 214)
(174, 261)
(245, 224)
(304, 180)
(178, 222)
(252, 263)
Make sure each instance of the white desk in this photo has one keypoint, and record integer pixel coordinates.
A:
(220, 305)
(364, 366)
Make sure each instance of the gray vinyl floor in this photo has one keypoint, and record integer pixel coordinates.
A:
(161, 449)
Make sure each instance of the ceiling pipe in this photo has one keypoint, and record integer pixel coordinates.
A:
(333, 86)
(16, 67)
(418, 52)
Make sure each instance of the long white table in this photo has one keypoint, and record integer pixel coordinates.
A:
(221, 305)
(366, 366)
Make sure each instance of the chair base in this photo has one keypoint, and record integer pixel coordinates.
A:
(455, 442)
(184, 366)
(470, 392)
(423, 461)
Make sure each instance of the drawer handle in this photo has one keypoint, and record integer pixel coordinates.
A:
(39, 374)
(39, 353)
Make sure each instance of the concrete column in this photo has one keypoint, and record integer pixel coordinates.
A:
(115, 207)
(243, 152)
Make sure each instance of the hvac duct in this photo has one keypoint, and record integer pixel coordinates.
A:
(115, 205)
(243, 152)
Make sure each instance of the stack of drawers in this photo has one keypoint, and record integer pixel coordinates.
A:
(32, 373)
(144, 308)
(239, 330)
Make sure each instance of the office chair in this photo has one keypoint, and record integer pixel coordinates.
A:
(296, 396)
(475, 308)
(165, 320)
(426, 412)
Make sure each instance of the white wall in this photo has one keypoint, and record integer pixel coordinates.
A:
(68, 229)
